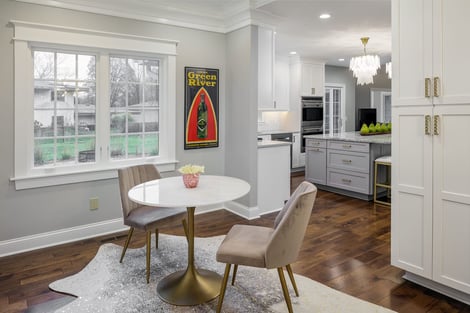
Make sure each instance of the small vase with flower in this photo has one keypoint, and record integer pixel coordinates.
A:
(191, 174)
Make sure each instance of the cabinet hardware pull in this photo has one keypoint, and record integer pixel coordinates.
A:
(347, 146)
(344, 180)
(437, 86)
(427, 87)
(427, 125)
(347, 161)
(313, 91)
(436, 125)
(316, 150)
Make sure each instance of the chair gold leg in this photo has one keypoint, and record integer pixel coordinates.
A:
(156, 238)
(149, 237)
(124, 249)
(284, 289)
(222, 287)
(235, 268)
(291, 276)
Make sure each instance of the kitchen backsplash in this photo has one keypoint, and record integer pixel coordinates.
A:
(271, 120)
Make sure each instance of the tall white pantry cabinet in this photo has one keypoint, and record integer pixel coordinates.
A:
(431, 143)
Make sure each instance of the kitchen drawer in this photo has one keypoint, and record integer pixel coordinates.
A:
(348, 146)
(350, 161)
(352, 181)
(315, 143)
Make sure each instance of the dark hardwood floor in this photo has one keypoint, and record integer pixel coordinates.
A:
(346, 247)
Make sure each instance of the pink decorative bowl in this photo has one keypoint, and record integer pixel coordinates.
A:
(190, 180)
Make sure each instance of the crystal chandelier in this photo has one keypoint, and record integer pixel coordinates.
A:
(364, 67)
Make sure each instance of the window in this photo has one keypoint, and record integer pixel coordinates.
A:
(134, 104)
(381, 99)
(334, 110)
(84, 109)
(64, 107)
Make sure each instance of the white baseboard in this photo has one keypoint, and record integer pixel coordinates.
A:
(57, 237)
(448, 291)
(248, 213)
(66, 235)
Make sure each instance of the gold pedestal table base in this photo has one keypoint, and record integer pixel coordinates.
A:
(191, 286)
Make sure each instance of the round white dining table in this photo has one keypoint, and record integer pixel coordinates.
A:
(191, 286)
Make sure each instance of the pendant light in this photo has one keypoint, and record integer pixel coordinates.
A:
(364, 67)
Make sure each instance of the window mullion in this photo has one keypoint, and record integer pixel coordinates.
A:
(102, 108)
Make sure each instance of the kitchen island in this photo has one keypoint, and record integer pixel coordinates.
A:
(344, 163)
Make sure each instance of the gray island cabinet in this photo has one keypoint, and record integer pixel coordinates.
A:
(344, 163)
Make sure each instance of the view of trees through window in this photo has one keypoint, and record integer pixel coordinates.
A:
(64, 108)
(134, 100)
(65, 115)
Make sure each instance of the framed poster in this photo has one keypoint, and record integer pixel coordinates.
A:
(201, 108)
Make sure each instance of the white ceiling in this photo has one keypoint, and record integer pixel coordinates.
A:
(297, 24)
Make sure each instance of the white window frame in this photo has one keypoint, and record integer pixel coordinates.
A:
(377, 100)
(32, 35)
(342, 87)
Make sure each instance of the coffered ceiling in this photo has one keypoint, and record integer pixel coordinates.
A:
(296, 22)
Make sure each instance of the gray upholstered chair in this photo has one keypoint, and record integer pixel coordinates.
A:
(267, 247)
(140, 216)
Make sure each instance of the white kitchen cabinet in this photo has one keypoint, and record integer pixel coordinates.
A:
(312, 79)
(430, 59)
(265, 68)
(430, 148)
(281, 86)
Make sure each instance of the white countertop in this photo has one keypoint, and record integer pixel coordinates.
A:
(269, 132)
(272, 143)
(355, 136)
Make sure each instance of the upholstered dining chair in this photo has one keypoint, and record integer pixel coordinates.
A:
(266, 247)
(139, 216)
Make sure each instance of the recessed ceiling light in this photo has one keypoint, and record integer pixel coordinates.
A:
(341, 60)
(292, 53)
(325, 16)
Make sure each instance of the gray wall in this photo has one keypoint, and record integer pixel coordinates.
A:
(342, 75)
(381, 80)
(242, 108)
(34, 211)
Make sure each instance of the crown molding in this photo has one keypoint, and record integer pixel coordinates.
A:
(234, 16)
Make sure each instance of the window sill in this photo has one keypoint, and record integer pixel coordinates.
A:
(29, 182)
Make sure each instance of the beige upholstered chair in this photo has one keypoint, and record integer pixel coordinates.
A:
(267, 247)
(140, 216)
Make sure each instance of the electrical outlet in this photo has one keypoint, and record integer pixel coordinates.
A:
(94, 203)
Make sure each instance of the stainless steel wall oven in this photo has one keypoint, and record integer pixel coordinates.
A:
(312, 118)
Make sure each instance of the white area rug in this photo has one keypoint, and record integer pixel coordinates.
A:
(105, 285)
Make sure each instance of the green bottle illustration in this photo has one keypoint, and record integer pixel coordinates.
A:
(202, 118)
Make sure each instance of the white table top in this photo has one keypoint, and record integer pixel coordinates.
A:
(171, 192)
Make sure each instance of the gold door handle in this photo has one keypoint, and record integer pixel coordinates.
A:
(427, 125)
(427, 87)
(436, 125)
(436, 87)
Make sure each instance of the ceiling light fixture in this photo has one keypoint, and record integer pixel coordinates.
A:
(292, 53)
(341, 60)
(365, 67)
(388, 69)
(325, 16)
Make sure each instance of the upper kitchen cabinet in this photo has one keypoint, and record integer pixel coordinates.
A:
(434, 71)
(312, 79)
(265, 69)
(281, 86)
(307, 78)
